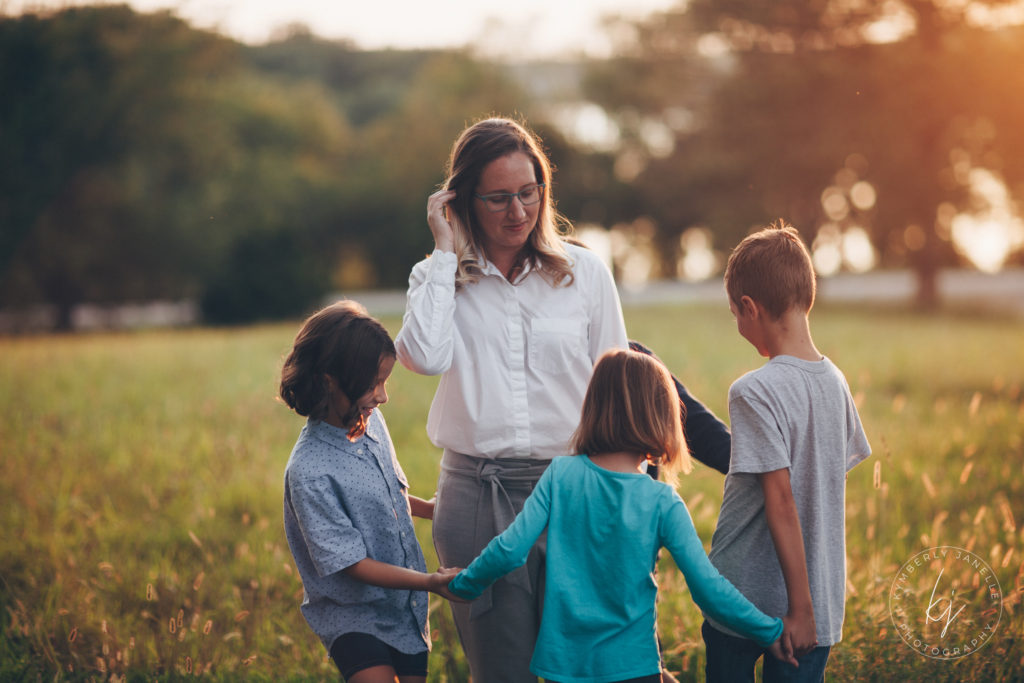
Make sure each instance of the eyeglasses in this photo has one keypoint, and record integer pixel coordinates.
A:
(501, 201)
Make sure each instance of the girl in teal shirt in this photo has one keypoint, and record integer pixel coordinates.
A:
(606, 519)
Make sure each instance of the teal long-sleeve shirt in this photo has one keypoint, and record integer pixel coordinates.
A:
(604, 532)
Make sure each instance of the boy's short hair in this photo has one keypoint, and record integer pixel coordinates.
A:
(773, 267)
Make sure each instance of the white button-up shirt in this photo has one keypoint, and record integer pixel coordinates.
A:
(514, 359)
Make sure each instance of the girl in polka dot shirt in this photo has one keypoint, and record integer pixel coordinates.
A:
(347, 510)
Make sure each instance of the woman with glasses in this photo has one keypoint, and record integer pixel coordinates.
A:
(513, 317)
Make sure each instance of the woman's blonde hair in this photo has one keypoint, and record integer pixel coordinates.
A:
(477, 146)
(631, 405)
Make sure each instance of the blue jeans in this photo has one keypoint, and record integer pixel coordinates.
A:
(731, 660)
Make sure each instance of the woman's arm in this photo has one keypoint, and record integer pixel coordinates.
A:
(427, 339)
(607, 326)
(425, 342)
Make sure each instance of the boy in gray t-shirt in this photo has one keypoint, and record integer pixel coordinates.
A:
(795, 433)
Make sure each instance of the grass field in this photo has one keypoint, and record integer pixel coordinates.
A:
(141, 488)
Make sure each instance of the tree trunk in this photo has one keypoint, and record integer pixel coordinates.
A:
(63, 321)
(927, 295)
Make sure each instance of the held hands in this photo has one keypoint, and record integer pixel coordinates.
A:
(799, 632)
(782, 650)
(438, 583)
(440, 219)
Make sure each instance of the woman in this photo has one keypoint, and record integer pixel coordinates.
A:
(513, 318)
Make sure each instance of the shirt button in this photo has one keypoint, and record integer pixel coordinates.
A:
(414, 603)
(360, 451)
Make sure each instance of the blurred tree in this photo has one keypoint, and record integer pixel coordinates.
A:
(148, 161)
(366, 84)
(402, 157)
(277, 199)
(95, 126)
(155, 161)
(809, 96)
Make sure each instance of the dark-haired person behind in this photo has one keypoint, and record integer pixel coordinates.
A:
(708, 436)
(347, 511)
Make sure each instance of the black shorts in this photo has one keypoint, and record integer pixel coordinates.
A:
(353, 652)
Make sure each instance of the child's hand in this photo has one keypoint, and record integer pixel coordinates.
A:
(800, 632)
(423, 509)
(782, 650)
(439, 580)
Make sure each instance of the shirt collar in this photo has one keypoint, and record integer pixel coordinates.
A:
(338, 437)
(491, 269)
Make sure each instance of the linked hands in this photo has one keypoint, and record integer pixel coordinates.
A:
(782, 650)
(797, 639)
(799, 632)
(440, 219)
(438, 583)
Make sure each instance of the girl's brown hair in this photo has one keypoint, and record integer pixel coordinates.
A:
(477, 146)
(341, 341)
(631, 405)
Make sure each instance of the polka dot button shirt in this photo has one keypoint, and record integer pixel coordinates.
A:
(345, 501)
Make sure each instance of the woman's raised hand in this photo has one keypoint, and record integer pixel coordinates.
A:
(438, 219)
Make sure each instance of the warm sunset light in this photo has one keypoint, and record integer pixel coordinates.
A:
(535, 27)
(988, 235)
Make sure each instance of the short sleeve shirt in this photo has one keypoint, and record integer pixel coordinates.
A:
(345, 501)
(799, 415)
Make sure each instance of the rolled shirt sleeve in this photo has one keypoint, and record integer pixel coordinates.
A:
(333, 543)
(425, 342)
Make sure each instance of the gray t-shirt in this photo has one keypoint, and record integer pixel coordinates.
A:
(794, 414)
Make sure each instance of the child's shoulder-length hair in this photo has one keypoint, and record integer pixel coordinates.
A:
(342, 341)
(631, 405)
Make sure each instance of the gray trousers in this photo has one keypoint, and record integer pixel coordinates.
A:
(477, 498)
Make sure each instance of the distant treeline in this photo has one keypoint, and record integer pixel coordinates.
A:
(144, 159)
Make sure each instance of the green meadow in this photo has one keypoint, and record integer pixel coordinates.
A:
(141, 493)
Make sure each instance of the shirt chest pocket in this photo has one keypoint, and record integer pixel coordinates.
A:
(557, 344)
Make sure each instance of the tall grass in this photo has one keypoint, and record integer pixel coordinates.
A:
(141, 489)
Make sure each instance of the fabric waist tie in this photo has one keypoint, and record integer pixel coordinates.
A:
(495, 478)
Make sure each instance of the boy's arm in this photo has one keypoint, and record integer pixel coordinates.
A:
(784, 526)
(421, 508)
(386, 575)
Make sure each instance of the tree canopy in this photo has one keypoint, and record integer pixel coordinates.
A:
(145, 159)
(807, 101)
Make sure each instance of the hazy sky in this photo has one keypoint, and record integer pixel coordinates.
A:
(529, 27)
